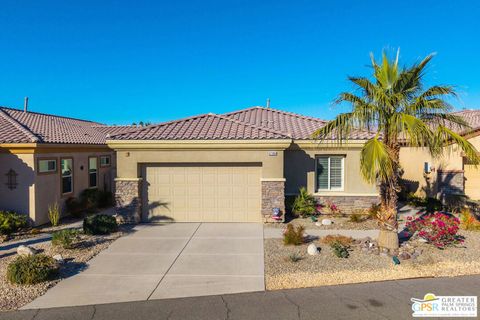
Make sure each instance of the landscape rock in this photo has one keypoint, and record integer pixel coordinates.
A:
(58, 258)
(318, 224)
(405, 256)
(327, 222)
(26, 251)
(312, 249)
(119, 219)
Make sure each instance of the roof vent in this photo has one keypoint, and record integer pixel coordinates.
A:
(25, 105)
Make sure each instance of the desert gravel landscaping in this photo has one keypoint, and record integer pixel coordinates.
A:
(13, 296)
(339, 223)
(327, 269)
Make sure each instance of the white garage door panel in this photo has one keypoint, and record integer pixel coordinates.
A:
(204, 194)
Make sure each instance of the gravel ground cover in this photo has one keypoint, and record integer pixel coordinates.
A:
(327, 269)
(15, 296)
(338, 223)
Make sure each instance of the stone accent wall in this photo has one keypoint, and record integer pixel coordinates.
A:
(351, 203)
(451, 182)
(128, 202)
(273, 196)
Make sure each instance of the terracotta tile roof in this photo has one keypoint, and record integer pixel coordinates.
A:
(292, 124)
(17, 126)
(472, 117)
(113, 130)
(250, 123)
(202, 127)
(295, 125)
(12, 132)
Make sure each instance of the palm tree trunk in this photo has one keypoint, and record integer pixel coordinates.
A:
(388, 237)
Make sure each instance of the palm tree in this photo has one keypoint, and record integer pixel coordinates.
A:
(398, 111)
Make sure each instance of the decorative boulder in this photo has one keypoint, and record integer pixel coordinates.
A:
(312, 249)
(58, 258)
(26, 251)
(405, 256)
(318, 224)
(327, 222)
(120, 219)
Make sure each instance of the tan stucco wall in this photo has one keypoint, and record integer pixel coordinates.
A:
(48, 190)
(129, 162)
(21, 199)
(412, 161)
(300, 170)
(297, 166)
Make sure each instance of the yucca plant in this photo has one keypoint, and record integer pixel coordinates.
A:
(396, 108)
(54, 214)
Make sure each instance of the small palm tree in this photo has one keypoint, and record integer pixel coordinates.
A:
(398, 111)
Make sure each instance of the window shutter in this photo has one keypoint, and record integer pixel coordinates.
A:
(322, 173)
(336, 170)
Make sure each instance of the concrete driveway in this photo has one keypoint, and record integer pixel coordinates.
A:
(168, 261)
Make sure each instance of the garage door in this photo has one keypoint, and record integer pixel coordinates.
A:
(472, 181)
(209, 193)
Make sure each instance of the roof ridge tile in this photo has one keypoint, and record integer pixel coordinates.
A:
(297, 115)
(51, 115)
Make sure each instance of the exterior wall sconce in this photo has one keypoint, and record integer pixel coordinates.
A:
(11, 179)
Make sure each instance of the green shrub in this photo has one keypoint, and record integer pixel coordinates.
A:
(339, 249)
(54, 214)
(99, 224)
(469, 221)
(74, 207)
(293, 235)
(64, 238)
(305, 204)
(11, 222)
(31, 269)
(430, 204)
(356, 217)
(294, 257)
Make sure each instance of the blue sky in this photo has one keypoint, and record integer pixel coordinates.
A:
(125, 61)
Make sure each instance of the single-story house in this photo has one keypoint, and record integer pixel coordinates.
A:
(450, 174)
(234, 167)
(44, 159)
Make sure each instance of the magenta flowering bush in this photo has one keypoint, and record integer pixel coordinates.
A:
(437, 228)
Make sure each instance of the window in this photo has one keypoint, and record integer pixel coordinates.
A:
(67, 175)
(104, 161)
(330, 173)
(92, 172)
(47, 165)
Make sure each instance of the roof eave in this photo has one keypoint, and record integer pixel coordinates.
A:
(277, 144)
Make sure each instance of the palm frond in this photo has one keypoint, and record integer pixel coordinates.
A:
(376, 161)
(445, 135)
(337, 129)
(409, 80)
(436, 91)
(415, 132)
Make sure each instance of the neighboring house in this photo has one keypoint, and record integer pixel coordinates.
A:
(450, 174)
(46, 159)
(234, 167)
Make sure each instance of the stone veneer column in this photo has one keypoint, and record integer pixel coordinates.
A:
(273, 196)
(128, 199)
